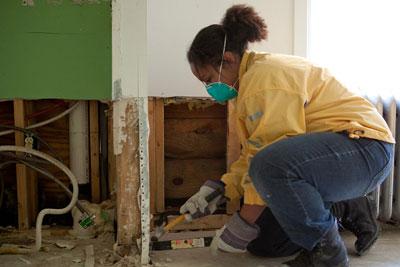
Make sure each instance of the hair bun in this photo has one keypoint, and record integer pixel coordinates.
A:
(242, 23)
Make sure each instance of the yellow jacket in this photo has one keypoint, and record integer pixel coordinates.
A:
(282, 96)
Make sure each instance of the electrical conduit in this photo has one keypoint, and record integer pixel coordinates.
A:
(44, 212)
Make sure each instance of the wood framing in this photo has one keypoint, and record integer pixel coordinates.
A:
(112, 169)
(156, 154)
(21, 170)
(152, 156)
(94, 151)
(215, 221)
(178, 172)
(126, 149)
(232, 150)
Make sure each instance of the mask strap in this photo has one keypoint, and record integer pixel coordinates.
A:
(222, 61)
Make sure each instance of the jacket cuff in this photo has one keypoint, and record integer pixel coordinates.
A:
(216, 185)
(238, 233)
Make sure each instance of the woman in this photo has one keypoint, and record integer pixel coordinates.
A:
(307, 141)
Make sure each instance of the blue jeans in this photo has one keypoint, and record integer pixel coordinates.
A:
(299, 177)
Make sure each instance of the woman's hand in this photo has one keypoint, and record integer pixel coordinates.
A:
(250, 213)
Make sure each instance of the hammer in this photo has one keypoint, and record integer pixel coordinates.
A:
(161, 230)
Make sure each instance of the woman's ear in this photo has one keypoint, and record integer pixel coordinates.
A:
(230, 57)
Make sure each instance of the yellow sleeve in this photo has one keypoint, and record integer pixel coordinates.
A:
(233, 178)
(268, 116)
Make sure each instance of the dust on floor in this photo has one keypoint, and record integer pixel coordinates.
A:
(62, 249)
(386, 252)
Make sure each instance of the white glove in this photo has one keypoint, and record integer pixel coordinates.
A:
(200, 204)
(235, 235)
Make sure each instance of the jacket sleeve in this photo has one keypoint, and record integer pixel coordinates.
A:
(233, 179)
(269, 116)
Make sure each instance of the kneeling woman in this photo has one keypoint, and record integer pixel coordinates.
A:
(307, 142)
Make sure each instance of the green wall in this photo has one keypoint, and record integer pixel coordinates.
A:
(55, 49)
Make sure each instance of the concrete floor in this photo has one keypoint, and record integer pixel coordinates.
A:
(385, 252)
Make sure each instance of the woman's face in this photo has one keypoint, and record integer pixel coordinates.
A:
(210, 74)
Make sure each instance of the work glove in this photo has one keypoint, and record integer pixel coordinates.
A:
(205, 201)
(235, 235)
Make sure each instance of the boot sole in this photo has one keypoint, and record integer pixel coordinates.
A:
(373, 240)
(368, 246)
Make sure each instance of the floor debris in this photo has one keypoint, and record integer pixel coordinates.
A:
(14, 249)
(89, 252)
(25, 260)
(65, 244)
(77, 260)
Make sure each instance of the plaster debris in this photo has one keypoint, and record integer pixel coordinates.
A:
(89, 251)
(65, 244)
(25, 260)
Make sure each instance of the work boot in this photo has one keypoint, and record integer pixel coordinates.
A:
(358, 216)
(329, 252)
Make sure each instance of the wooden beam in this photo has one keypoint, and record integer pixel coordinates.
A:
(94, 151)
(215, 221)
(21, 170)
(112, 169)
(232, 150)
(152, 155)
(159, 153)
(126, 149)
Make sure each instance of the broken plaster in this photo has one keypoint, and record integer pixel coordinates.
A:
(120, 122)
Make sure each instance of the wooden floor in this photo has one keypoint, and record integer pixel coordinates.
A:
(386, 252)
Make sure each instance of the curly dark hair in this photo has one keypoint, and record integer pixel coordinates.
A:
(241, 24)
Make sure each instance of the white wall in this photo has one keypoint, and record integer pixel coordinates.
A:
(129, 49)
(172, 25)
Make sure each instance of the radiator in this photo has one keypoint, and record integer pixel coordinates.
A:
(387, 195)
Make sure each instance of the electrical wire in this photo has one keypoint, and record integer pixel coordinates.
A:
(44, 212)
(30, 132)
(57, 181)
(36, 125)
(40, 170)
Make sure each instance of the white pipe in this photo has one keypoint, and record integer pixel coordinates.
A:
(42, 123)
(79, 142)
(44, 212)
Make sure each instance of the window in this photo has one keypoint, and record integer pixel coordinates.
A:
(359, 41)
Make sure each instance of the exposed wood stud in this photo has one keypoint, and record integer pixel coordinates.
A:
(152, 155)
(21, 170)
(159, 153)
(112, 169)
(126, 149)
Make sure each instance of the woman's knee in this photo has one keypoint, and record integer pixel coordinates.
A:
(264, 166)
